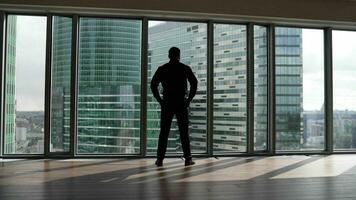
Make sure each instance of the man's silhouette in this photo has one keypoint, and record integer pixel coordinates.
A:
(173, 76)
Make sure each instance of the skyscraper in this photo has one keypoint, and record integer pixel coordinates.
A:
(109, 85)
(61, 79)
(230, 84)
(191, 38)
(260, 88)
(10, 102)
(108, 104)
(289, 88)
(230, 87)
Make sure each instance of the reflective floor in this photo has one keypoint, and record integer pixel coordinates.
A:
(279, 177)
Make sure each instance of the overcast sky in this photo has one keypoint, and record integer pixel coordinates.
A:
(30, 63)
(154, 23)
(344, 59)
(30, 66)
(313, 72)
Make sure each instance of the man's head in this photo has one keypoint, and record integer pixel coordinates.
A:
(174, 53)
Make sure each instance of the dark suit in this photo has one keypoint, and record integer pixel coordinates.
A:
(174, 76)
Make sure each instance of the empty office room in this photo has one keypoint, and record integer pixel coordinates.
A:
(179, 99)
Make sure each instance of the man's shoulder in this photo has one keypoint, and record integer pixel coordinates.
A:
(159, 68)
(163, 66)
(186, 67)
(168, 66)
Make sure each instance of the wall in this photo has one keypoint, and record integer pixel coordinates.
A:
(329, 10)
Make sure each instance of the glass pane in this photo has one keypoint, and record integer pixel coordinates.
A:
(260, 86)
(299, 89)
(229, 88)
(61, 72)
(109, 81)
(24, 99)
(344, 82)
(191, 38)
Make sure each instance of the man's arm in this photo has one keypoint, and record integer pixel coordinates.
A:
(156, 79)
(193, 85)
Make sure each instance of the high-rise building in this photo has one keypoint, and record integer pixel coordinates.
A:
(230, 83)
(10, 102)
(109, 85)
(230, 97)
(61, 79)
(260, 88)
(109, 66)
(289, 88)
(191, 38)
(109, 80)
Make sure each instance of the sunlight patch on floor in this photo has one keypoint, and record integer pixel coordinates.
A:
(329, 166)
(248, 170)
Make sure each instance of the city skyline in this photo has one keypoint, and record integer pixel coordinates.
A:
(109, 86)
(34, 39)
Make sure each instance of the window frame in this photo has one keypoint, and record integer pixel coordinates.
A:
(270, 24)
(3, 103)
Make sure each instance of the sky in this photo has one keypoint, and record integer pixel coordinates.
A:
(344, 59)
(313, 69)
(154, 23)
(30, 63)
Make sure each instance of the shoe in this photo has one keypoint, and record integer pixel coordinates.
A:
(189, 162)
(159, 163)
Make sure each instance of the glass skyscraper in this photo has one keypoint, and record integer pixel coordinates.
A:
(109, 85)
(10, 102)
(289, 88)
(230, 83)
(108, 116)
(230, 100)
(191, 38)
(61, 79)
(260, 88)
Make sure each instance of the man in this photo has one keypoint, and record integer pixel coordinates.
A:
(173, 76)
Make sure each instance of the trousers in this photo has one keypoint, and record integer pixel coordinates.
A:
(168, 110)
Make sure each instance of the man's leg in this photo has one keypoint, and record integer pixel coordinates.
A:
(183, 122)
(166, 120)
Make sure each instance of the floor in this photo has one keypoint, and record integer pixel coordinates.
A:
(279, 177)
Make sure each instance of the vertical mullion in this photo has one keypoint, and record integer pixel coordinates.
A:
(73, 86)
(250, 89)
(210, 88)
(328, 87)
(143, 111)
(2, 65)
(271, 94)
(47, 117)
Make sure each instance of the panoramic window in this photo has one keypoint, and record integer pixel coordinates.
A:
(61, 80)
(109, 86)
(300, 123)
(260, 88)
(230, 88)
(344, 80)
(191, 38)
(24, 99)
